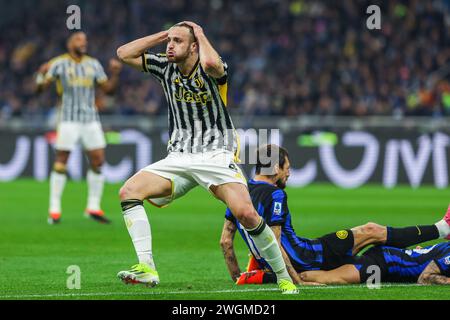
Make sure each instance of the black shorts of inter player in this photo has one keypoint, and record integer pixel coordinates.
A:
(365, 264)
(337, 249)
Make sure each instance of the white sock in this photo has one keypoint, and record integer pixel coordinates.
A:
(138, 226)
(95, 183)
(57, 184)
(267, 246)
(443, 228)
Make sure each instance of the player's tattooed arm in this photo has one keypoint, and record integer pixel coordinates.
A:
(209, 58)
(294, 275)
(432, 275)
(226, 242)
(131, 52)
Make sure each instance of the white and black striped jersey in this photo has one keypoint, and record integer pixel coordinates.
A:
(198, 117)
(75, 82)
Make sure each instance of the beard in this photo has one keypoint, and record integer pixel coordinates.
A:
(281, 184)
(80, 51)
(177, 59)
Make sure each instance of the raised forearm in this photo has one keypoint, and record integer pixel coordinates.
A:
(137, 47)
(209, 58)
(110, 86)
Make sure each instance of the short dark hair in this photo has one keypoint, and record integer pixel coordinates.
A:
(191, 30)
(73, 34)
(266, 152)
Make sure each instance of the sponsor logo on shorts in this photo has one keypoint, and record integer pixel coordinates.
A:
(343, 234)
(233, 167)
(277, 208)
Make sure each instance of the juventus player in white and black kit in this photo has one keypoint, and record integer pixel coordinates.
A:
(198, 118)
(76, 75)
(202, 149)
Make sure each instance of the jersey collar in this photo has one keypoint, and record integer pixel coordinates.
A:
(253, 181)
(194, 68)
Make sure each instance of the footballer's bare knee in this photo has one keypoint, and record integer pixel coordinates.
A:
(247, 216)
(96, 163)
(125, 193)
(375, 231)
(61, 159)
(145, 185)
(371, 231)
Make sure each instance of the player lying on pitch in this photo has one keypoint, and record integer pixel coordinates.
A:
(430, 265)
(325, 253)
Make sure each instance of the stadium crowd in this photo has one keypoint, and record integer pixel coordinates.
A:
(286, 57)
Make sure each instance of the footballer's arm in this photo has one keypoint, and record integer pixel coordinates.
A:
(209, 58)
(42, 82)
(226, 242)
(109, 86)
(292, 272)
(432, 275)
(131, 52)
(346, 274)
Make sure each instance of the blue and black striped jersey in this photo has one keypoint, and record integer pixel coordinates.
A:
(400, 265)
(271, 203)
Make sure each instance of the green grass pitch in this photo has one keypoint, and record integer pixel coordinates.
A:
(34, 256)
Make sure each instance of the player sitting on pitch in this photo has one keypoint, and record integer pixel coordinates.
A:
(301, 254)
(429, 265)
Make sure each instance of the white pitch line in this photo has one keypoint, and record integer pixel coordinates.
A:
(156, 293)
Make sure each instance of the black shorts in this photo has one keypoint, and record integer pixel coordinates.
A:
(365, 263)
(337, 249)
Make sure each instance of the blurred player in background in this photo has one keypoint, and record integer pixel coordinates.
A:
(203, 146)
(301, 254)
(76, 74)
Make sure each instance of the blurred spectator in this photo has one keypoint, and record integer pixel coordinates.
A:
(286, 57)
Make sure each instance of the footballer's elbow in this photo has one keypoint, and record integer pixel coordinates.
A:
(424, 278)
(211, 67)
(121, 54)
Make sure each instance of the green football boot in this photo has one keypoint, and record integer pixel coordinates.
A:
(140, 273)
(287, 287)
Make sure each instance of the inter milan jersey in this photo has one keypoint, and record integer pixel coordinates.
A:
(198, 117)
(271, 204)
(400, 265)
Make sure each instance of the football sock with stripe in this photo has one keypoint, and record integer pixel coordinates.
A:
(268, 247)
(405, 237)
(139, 229)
